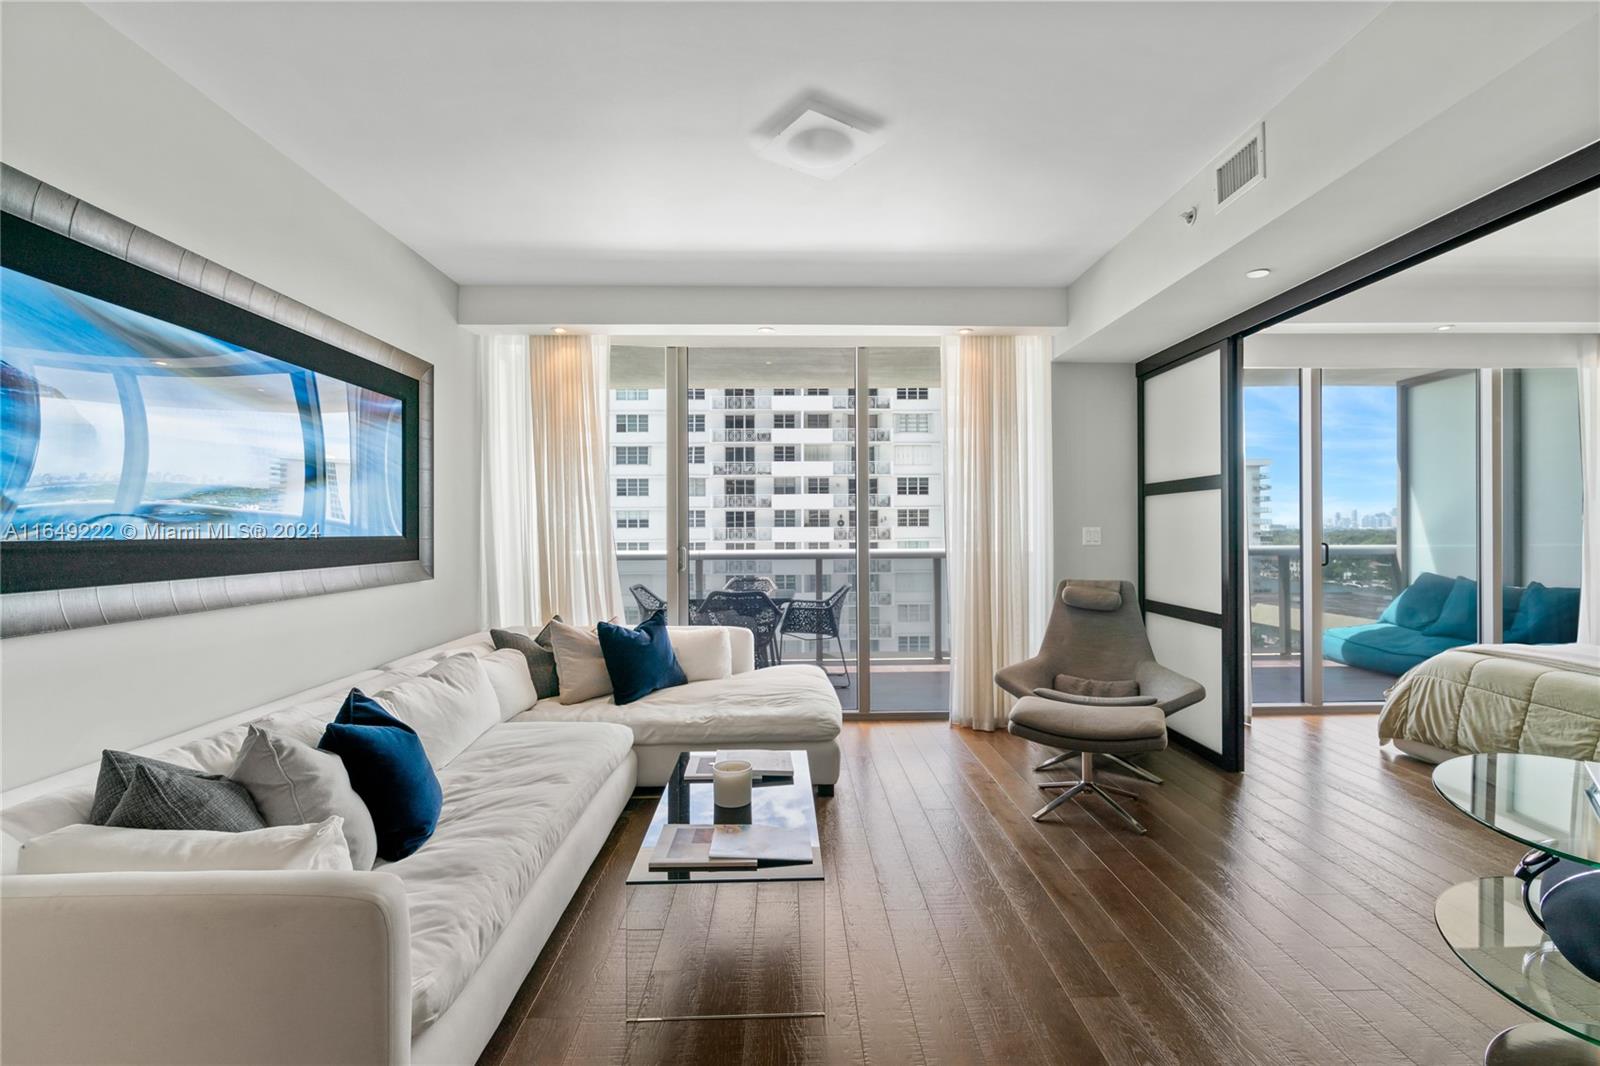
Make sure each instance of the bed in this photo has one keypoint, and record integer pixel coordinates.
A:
(1542, 699)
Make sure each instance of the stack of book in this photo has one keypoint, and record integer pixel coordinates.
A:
(729, 847)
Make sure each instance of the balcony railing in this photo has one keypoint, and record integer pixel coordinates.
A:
(730, 533)
(742, 403)
(740, 469)
(849, 500)
(848, 403)
(878, 435)
(848, 466)
(1359, 581)
(742, 436)
(742, 500)
(810, 574)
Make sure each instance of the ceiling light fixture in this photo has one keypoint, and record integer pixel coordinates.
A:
(559, 329)
(1444, 328)
(1258, 272)
(820, 144)
(964, 330)
(765, 329)
(161, 362)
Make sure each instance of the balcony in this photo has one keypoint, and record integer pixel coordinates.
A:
(740, 469)
(848, 466)
(848, 403)
(742, 436)
(732, 533)
(1359, 581)
(742, 500)
(909, 681)
(741, 403)
(848, 435)
(848, 500)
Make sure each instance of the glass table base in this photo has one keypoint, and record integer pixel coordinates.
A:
(1538, 1044)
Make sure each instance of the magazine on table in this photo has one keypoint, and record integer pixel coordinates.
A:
(766, 844)
(763, 764)
(688, 847)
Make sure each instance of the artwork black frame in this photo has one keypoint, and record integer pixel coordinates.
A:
(32, 566)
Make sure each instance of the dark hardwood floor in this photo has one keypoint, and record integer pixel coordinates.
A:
(1282, 916)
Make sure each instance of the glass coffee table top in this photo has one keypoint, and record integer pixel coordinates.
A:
(1486, 926)
(1538, 800)
(777, 803)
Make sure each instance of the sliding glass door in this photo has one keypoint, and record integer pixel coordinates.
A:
(737, 472)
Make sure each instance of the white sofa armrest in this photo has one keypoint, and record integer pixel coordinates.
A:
(214, 967)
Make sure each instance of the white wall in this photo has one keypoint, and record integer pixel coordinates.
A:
(1095, 468)
(85, 110)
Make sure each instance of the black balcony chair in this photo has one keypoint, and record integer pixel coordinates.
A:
(751, 583)
(818, 620)
(749, 609)
(649, 602)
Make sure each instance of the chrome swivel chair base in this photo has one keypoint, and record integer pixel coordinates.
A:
(1137, 771)
(1087, 783)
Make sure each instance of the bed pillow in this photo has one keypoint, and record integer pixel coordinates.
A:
(83, 849)
(641, 660)
(513, 687)
(449, 706)
(540, 658)
(389, 769)
(293, 783)
(158, 795)
(580, 664)
(704, 652)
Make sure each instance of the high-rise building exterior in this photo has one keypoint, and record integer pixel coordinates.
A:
(771, 472)
(1258, 493)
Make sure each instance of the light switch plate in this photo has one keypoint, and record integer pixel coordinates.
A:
(1091, 536)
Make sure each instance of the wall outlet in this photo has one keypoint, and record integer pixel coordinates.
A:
(1091, 536)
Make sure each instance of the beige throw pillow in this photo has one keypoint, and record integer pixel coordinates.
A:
(1083, 686)
(580, 666)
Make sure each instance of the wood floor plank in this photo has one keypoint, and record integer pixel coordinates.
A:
(1279, 916)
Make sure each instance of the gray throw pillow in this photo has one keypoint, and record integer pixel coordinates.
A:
(1093, 595)
(541, 659)
(157, 798)
(293, 783)
(1083, 686)
(116, 774)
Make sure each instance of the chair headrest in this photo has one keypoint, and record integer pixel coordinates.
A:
(1093, 595)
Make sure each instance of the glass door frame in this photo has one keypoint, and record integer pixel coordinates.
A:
(680, 563)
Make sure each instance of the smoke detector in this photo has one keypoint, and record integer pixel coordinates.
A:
(820, 145)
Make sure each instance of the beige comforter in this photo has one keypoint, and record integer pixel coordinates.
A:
(1539, 699)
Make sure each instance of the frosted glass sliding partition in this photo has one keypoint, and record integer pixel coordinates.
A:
(1189, 567)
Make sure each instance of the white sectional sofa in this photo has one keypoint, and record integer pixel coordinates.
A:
(414, 961)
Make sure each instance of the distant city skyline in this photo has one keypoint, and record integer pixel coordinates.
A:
(1359, 449)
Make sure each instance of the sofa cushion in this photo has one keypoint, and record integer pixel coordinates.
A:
(1545, 616)
(704, 652)
(1383, 648)
(1085, 686)
(1458, 616)
(639, 661)
(513, 686)
(541, 660)
(293, 783)
(389, 770)
(580, 665)
(1419, 603)
(448, 707)
(794, 703)
(510, 800)
(80, 849)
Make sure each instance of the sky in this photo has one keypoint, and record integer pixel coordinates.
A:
(1358, 447)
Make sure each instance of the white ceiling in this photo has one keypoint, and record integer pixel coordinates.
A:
(611, 144)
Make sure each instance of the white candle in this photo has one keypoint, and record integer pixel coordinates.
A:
(730, 783)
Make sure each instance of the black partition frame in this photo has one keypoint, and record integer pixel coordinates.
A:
(32, 566)
(1560, 181)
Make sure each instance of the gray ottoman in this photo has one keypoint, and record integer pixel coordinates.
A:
(1090, 731)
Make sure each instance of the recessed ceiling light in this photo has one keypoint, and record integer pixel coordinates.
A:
(1444, 329)
(1258, 272)
(765, 329)
(161, 362)
(559, 329)
(964, 330)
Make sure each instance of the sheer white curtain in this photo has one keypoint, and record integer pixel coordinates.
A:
(997, 518)
(548, 544)
(1589, 435)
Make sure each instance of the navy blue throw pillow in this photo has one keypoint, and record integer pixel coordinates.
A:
(389, 771)
(639, 660)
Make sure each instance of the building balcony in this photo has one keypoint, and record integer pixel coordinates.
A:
(742, 436)
(742, 403)
(741, 533)
(742, 500)
(846, 467)
(873, 435)
(740, 469)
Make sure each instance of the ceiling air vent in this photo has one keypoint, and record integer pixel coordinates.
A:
(1243, 167)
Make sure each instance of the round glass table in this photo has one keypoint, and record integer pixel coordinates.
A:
(1538, 800)
(1549, 804)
